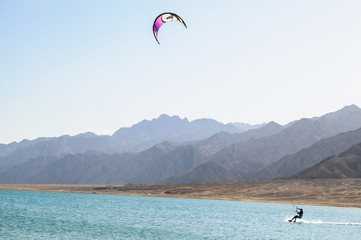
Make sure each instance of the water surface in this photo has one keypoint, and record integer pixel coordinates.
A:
(46, 215)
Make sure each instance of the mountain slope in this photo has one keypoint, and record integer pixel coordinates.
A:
(207, 172)
(345, 165)
(147, 133)
(308, 157)
(343, 120)
(22, 172)
(269, 149)
(137, 138)
(150, 166)
(238, 161)
(223, 139)
(301, 134)
(55, 147)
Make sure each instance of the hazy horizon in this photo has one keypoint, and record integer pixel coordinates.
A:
(69, 67)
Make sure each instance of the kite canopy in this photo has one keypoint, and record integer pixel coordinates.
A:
(163, 18)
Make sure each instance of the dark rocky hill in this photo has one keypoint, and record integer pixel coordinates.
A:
(345, 165)
(308, 157)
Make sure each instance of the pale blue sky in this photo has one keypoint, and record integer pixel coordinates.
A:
(73, 66)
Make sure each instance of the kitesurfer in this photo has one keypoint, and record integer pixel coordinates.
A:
(299, 215)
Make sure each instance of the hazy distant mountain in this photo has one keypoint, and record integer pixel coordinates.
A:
(245, 126)
(221, 140)
(311, 156)
(56, 147)
(74, 169)
(175, 163)
(150, 166)
(207, 172)
(268, 129)
(301, 134)
(247, 158)
(91, 159)
(346, 119)
(22, 172)
(147, 133)
(137, 138)
(6, 149)
(347, 164)
(269, 149)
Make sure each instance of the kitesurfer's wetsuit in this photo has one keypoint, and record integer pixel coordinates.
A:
(300, 214)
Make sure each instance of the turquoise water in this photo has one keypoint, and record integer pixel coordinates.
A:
(42, 215)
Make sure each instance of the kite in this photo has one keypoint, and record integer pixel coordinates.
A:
(163, 18)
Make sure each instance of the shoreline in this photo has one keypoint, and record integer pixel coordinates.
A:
(319, 192)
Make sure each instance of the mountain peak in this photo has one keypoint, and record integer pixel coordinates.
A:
(344, 111)
(87, 134)
(272, 124)
(164, 116)
(350, 108)
(149, 132)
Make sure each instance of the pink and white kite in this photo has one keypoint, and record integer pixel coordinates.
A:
(163, 18)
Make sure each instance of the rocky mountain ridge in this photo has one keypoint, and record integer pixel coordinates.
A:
(224, 156)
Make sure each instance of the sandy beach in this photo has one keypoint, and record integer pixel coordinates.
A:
(326, 192)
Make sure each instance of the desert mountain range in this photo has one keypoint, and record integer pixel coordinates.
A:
(174, 150)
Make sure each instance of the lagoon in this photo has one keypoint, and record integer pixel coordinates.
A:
(50, 215)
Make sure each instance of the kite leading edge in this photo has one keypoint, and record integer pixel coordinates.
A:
(164, 18)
